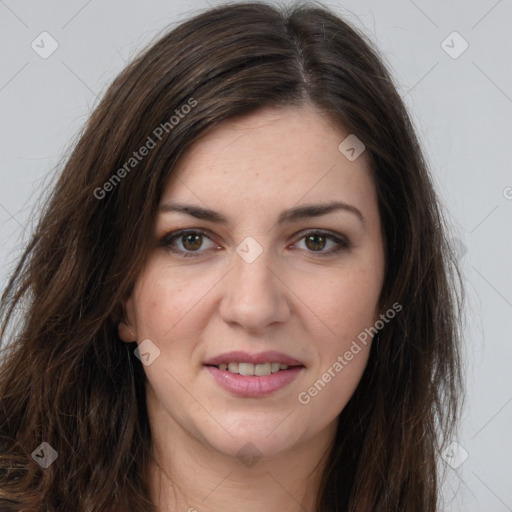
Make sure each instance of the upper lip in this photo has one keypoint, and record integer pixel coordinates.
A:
(238, 356)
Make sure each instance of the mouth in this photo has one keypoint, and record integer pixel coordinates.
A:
(253, 375)
(259, 364)
(250, 369)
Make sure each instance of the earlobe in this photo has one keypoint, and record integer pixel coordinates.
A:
(126, 332)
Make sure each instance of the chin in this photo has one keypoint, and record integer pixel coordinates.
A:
(248, 442)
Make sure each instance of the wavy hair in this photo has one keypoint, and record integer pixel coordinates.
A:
(68, 380)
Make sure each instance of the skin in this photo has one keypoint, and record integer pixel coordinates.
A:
(289, 299)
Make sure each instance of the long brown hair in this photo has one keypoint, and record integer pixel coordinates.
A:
(67, 380)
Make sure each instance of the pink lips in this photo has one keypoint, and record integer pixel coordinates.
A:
(251, 386)
(269, 356)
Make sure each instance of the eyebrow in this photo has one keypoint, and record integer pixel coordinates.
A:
(287, 216)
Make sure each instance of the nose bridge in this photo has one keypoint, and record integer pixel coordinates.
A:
(254, 296)
(253, 267)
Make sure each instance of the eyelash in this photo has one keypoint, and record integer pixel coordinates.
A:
(167, 241)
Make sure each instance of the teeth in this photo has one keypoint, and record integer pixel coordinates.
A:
(246, 368)
(262, 369)
(259, 370)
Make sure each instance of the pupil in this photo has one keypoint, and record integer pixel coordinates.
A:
(315, 238)
(189, 239)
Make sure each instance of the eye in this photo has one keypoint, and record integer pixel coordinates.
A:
(189, 239)
(187, 242)
(316, 241)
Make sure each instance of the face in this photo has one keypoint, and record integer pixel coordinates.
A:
(262, 278)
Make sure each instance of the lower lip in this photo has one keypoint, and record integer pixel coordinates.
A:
(250, 386)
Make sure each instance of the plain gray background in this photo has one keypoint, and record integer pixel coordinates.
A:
(461, 105)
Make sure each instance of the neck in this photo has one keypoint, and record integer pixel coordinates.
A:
(190, 475)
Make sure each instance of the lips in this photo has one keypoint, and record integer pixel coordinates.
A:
(253, 375)
(259, 358)
(253, 386)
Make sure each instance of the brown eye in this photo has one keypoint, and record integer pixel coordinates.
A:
(191, 242)
(186, 242)
(317, 241)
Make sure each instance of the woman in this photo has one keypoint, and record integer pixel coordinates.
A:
(240, 293)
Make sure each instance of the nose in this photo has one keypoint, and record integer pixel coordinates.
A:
(255, 295)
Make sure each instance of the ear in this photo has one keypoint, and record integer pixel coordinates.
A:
(126, 327)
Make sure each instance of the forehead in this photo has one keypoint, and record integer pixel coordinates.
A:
(268, 158)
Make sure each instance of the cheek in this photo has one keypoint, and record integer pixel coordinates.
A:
(341, 347)
(345, 300)
(345, 303)
(157, 308)
(164, 297)
(332, 390)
